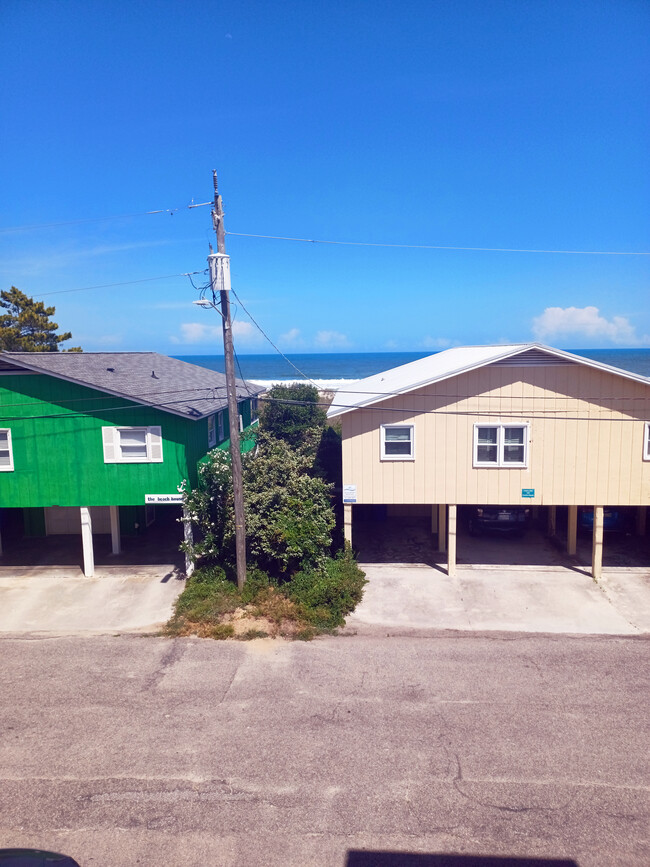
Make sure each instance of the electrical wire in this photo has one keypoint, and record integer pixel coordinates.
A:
(170, 211)
(551, 415)
(438, 246)
(123, 283)
(265, 335)
(519, 416)
(133, 397)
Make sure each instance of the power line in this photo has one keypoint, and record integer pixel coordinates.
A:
(170, 211)
(106, 409)
(519, 416)
(124, 283)
(265, 335)
(439, 246)
(133, 397)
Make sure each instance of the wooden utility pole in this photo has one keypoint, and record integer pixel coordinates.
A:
(220, 280)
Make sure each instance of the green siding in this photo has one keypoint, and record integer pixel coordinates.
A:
(59, 460)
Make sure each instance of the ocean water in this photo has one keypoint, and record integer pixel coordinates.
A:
(328, 370)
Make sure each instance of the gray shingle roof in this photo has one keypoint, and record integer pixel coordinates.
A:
(143, 377)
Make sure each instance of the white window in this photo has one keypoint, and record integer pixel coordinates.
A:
(212, 432)
(255, 409)
(6, 453)
(132, 445)
(646, 442)
(220, 426)
(500, 445)
(397, 442)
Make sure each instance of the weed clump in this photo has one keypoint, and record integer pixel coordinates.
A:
(308, 603)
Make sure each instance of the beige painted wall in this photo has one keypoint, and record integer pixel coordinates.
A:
(585, 448)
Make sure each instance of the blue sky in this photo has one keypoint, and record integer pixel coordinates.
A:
(464, 124)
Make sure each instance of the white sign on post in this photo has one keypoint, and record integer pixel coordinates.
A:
(349, 493)
(161, 499)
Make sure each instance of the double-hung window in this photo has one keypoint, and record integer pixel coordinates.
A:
(397, 442)
(132, 445)
(212, 431)
(500, 445)
(6, 453)
(220, 428)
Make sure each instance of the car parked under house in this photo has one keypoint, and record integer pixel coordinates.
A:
(96, 442)
(521, 425)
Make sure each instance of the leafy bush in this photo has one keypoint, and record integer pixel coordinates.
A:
(293, 584)
(289, 515)
(329, 592)
(290, 411)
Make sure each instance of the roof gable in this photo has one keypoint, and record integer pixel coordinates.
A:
(146, 378)
(453, 362)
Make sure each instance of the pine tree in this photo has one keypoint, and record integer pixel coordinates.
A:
(26, 327)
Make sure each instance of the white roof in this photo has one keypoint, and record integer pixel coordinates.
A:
(443, 365)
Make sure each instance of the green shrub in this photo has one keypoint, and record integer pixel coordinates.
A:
(256, 582)
(208, 594)
(329, 592)
(289, 412)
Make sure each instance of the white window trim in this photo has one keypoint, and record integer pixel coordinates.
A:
(10, 467)
(384, 456)
(500, 463)
(111, 443)
(646, 442)
(212, 431)
(220, 426)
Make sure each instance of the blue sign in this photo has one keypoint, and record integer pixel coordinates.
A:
(528, 492)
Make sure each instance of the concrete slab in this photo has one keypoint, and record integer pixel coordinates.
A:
(540, 599)
(628, 590)
(61, 600)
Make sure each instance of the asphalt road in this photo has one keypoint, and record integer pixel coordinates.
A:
(129, 750)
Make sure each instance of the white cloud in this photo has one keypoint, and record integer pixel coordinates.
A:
(200, 332)
(583, 322)
(435, 343)
(329, 339)
(292, 335)
(197, 332)
(245, 331)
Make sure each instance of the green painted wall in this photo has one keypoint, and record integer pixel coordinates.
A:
(58, 452)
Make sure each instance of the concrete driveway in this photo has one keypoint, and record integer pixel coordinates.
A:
(532, 599)
(60, 599)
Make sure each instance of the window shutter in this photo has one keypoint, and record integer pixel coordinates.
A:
(155, 440)
(108, 440)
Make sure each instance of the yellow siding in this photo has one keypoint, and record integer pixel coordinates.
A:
(586, 439)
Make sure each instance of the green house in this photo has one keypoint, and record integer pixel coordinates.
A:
(96, 442)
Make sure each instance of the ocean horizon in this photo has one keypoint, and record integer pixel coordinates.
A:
(329, 369)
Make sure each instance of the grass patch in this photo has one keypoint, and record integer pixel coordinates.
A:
(306, 604)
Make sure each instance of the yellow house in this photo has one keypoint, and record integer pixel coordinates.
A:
(522, 424)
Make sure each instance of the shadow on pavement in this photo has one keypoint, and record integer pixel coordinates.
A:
(367, 858)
